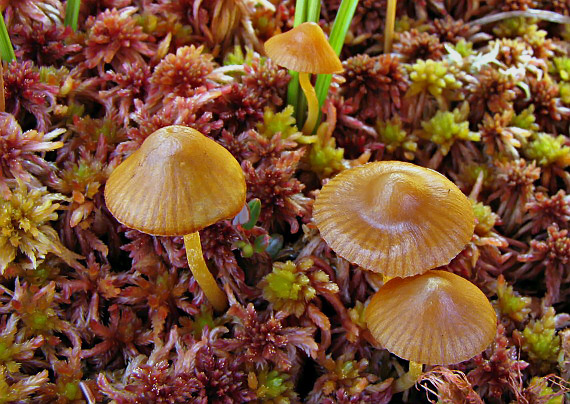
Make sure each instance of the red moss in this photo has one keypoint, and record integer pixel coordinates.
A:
(181, 74)
(114, 37)
(45, 44)
(413, 45)
(25, 93)
(550, 257)
(261, 338)
(374, 85)
(498, 369)
(274, 183)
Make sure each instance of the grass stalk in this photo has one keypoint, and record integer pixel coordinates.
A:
(72, 13)
(338, 34)
(6, 49)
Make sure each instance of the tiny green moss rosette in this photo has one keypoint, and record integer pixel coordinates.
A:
(395, 218)
(436, 318)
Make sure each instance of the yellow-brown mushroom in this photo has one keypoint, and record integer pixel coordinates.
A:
(436, 318)
(395, 218)
(178, 182)
(305, 49)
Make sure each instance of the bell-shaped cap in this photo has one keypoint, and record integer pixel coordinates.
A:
(436, 318)
(178, 182)
(304, 49)
(392, 217)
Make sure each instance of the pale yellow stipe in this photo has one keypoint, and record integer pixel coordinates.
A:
(408, 379)
(202, 274)
(312, 102)
(389, 27)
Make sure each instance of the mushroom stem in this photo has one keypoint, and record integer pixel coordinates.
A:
(389, 27)
(408, 379)
(202, 274)
(312, 102)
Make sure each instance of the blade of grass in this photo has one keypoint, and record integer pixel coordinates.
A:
(313, 14)
(6, 49)
(338, 33)
(293, 89)
(72, 13)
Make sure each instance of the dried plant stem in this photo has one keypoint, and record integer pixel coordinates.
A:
(202, 274)
(545, 15)
(389, 28)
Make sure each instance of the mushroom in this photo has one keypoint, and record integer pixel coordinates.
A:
(395, 218)
(305, 49)
(436, 318)
(178, 182)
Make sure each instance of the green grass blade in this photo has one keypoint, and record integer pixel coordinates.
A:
(314, 10)
(72, 13)
(6, 49)
(293, 89)
(338, 33)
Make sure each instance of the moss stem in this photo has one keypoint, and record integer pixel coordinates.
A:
(202, 274)
(311, 101)
(408, 379)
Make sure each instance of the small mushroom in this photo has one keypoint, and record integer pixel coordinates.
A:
(395, 218)
(178, 182)
(436, 318)
(305, 49)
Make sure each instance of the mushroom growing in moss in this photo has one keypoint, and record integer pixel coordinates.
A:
(436, 318)
(178, 182)
(305, 49)
(395, 218)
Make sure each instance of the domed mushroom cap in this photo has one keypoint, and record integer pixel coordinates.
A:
(436, 318)
(304, 49)
(393, 217)
(178, 182)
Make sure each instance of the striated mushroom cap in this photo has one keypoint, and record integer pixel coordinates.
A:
(392, 217)
(178, 182)
(304, 49)
(435, 318)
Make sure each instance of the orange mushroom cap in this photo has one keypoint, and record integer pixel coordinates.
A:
(304, 49)
(436, 318)
(178, 182)
(392, 217)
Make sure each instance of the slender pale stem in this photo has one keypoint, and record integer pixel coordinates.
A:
(408, 379)
(202, 274)
(312, 101)
(389, 28)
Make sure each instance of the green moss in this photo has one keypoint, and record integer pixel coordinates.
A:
(561, 66)
(444, 128)
(431, 76)
(484, 218)
(324, 157)
(238, 57)
(394, 137)
(540, 340)
(525, 120)
(273, 387)
(282, 123)
(510, 303)
(464, 48)
(547, 150)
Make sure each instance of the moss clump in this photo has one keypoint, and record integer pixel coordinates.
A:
(24, 225)
(432, 77)
(444, 128)
(394, 137)
(509, 302)
(539, 339)
(547, 150)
